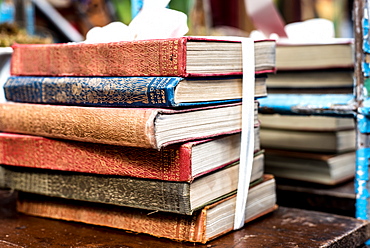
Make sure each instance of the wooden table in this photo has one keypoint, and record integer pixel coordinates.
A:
(286, 227)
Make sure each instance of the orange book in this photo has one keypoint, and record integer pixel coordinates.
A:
(204, 225)
(137, 127)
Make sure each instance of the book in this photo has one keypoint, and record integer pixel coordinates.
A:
(178, 162)
(319, 81)
(137, 127)
(333, 53)
(336, 105)
(156, 195)
(321, 168)
(305, 122)
(314, 141)
(183, 57)
(129, 91)
(204, 225)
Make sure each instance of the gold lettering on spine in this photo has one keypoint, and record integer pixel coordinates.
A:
(175, 56)
(169, 57)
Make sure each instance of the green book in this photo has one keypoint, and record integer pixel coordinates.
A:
(156, 195)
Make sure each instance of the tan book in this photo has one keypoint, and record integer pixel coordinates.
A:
(328, 169)
(334, 53)
(305, 122)
(326, 141)
(136, 127)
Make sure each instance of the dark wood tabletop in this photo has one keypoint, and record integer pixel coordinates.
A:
(286, 227)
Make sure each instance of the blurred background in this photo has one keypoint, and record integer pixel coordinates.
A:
(69, 20)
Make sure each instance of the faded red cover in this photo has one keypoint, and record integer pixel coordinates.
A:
(155, 57)
(172, 163)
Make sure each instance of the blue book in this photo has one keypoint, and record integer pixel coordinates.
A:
(129, 91)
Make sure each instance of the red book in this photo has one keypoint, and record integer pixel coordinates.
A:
(180, 162)
(182, 57)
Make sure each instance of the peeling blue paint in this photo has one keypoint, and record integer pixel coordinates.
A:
(363, 123)
(366, 69)
(361, 179)
(328, 104)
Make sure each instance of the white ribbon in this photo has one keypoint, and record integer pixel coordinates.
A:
(247, 134)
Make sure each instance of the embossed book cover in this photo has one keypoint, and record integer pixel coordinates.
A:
(137, 127)
(178, 162)
(205, 224)
(185, 56)
(130, 91)
(156, 195)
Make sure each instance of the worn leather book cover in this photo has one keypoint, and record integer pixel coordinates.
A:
(129, 91)
(137, 127)
(179, 162)
(202, 226)
(157, 195)
(154, 57)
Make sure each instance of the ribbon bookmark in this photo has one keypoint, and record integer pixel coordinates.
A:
(247, 134)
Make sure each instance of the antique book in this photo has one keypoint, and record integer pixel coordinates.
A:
(129, 91)
(178, 162)
(314, 141)
(137, 127)
(314, 80)
(305, 122)
(334, 53)
(168, 196)
(322, 168)
(183, 57)
(203, 225)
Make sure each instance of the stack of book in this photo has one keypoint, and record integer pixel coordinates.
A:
(325, 67)
(312, 148)
(142, 136)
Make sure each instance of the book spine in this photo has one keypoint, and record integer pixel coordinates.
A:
(158, 224)
(93, 91)
(172, 163)
(113, 126)
(162, 57)
(124, 191)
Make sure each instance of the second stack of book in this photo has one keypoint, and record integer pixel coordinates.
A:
(304, 147)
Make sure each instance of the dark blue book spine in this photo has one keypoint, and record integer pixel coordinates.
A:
(93, 91)
(157, 92)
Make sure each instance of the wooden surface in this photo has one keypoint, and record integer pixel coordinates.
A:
(286, 227)
(339, 199)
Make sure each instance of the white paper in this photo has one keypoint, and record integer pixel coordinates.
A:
(154, 21)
